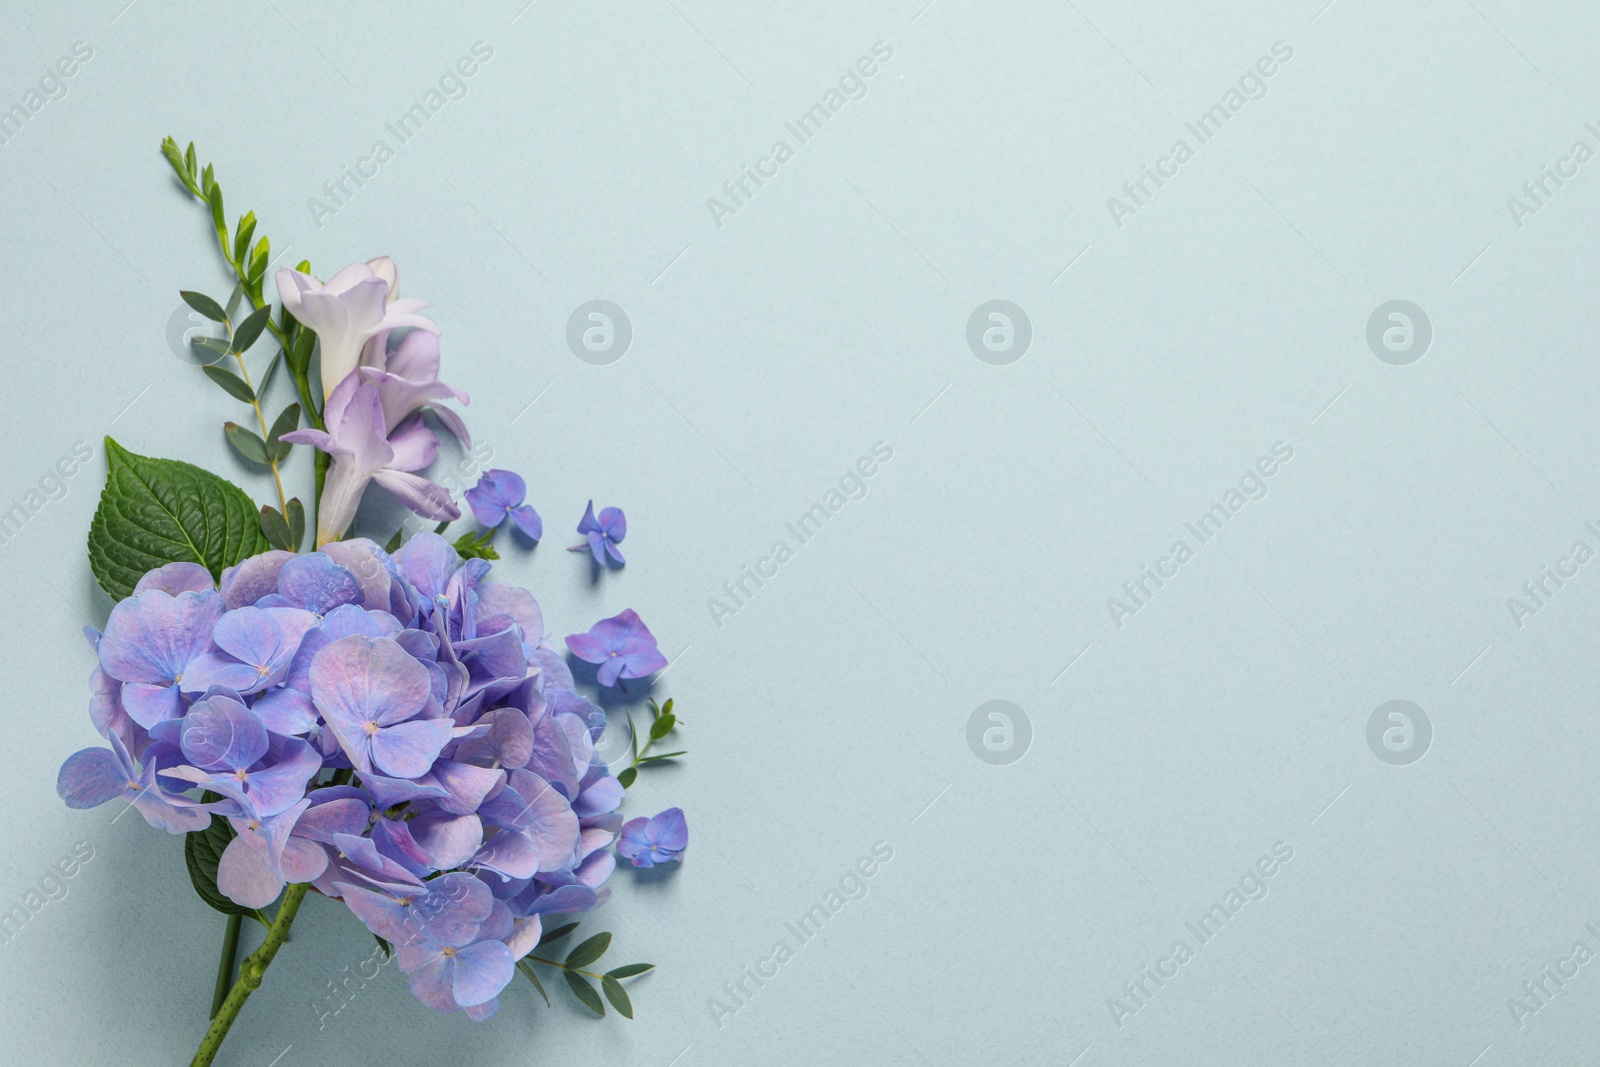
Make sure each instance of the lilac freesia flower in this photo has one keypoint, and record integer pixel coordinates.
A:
(603, 535)
(658, 839)
(471, 799)
(347, 311)
(499, 495)
(407, 378)
(364, 451)
(623, 647)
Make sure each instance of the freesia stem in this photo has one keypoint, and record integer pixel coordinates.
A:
(250, 972)
(230, 953)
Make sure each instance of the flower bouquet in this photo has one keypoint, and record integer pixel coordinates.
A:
(380, 725)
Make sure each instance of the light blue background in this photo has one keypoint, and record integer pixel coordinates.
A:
(827, 314)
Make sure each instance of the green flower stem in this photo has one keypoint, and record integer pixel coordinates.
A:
(261, 420)
(250, 972)
(564, 967)
(230, 953)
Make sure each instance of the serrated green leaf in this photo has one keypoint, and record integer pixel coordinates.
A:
(629, 970)
(246, 442)
(297, 523)
(627, 776)
(558, 933)
(275, 528)
(662, 726)
(584, 992)
(231, 383)
(589, 951)
(204, 305)
(618, 996)
(158, 511)
(527, 969)
(246, 333)
(202, 851)
(287, 421)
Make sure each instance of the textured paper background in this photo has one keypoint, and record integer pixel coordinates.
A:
(773, 345)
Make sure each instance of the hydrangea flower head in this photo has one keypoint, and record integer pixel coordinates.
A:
(395, 730)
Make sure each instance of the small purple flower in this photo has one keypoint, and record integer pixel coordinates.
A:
(500, 494)
(603, 535)
(658, 839)
(623, 647)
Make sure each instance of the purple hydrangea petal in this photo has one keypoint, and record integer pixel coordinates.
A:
(613, 523)
(408, 749)
(528, 521)
(93, 776)
(177, 578)
(318, 584)
(151, 637)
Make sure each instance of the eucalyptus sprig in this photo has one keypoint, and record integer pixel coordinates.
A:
(578, 979)
(284, 526)
(662, 723)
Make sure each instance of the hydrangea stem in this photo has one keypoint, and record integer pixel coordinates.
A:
(250, 972)
(230, 953)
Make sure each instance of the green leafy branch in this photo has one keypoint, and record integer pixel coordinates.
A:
(578, 979)
(284, 527)
(249, 264)
(662, 723)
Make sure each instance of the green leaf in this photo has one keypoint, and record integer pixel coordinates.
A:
(589, 951)
(661, 756)
(276, 529)
(288, 420)
(231, 383)
(666, 709)
(394, 542)
(662, 726)
(627, 776)
(305, 340)
(246, 442)
(204, 304)
(618, 996)
(189, 161)
(272, 368)
(297, 523)
(208, 350)
(476, 546)
(528, 970)
(388, 949)
(245, 334)
(233, 301)
(218, 218)
(158, 511)
(585, 992)
(247, 331)
(202, 851)
(242, 234)
(629, 970)
(558, 933)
